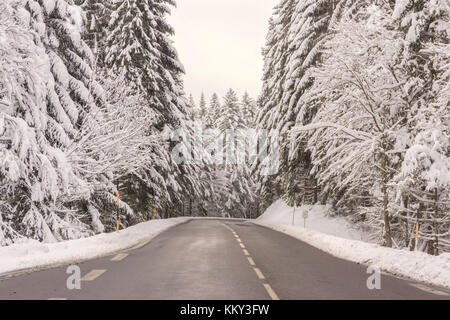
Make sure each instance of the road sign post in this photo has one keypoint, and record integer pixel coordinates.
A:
(305, 216)
(293, 216)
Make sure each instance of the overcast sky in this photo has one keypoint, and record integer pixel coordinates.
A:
(219, 43)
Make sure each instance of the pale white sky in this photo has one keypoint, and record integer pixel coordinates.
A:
(219, 43)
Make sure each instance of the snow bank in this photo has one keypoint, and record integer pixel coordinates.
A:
(414, 265)
(32, 254)
(280, 213)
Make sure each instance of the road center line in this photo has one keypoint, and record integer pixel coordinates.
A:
(57, 299)
(259, 273)
(270, 291)
(119, 257)
(94, 274)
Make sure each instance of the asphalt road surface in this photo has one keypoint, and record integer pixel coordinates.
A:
(217, 259)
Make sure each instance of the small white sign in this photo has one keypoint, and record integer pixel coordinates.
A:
(305, 214)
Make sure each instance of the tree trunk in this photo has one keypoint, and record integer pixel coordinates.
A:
(405, 205)
(417, 226)
(316, 191)
(435, 224)
(387, 225)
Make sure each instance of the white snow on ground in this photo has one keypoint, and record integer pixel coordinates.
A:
(33, 254)
(414, 265)
(280, 213)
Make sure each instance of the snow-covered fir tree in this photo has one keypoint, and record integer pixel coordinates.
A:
(248, 106)
(202, 109)
(192, 103)
(296, 34)
(138, 47)
(230, 116)
(235, 193)
(97, 13)
(58, 93)
(214, 110)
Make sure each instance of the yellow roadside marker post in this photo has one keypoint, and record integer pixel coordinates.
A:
(417, 229)
(155, 214)
(118, 217)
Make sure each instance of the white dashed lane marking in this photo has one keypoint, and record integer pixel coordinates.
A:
(94, 274)
(119, 257)
(57, 299)
(270, 291)
(259, 273)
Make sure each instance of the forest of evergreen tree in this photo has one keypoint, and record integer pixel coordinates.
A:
(92, 92)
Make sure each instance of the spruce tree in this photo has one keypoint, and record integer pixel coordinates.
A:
(59, 92)
(230, 117)
(139, 47)
(238, 192)
(202, 107)
(248, 106)
(213, 110)
(296, 33)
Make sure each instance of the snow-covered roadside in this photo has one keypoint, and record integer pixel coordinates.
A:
(32, 254)
(414, 265)
(318, 220)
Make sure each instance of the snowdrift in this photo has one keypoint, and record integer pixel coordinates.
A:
(32, 254)
(280, 213)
